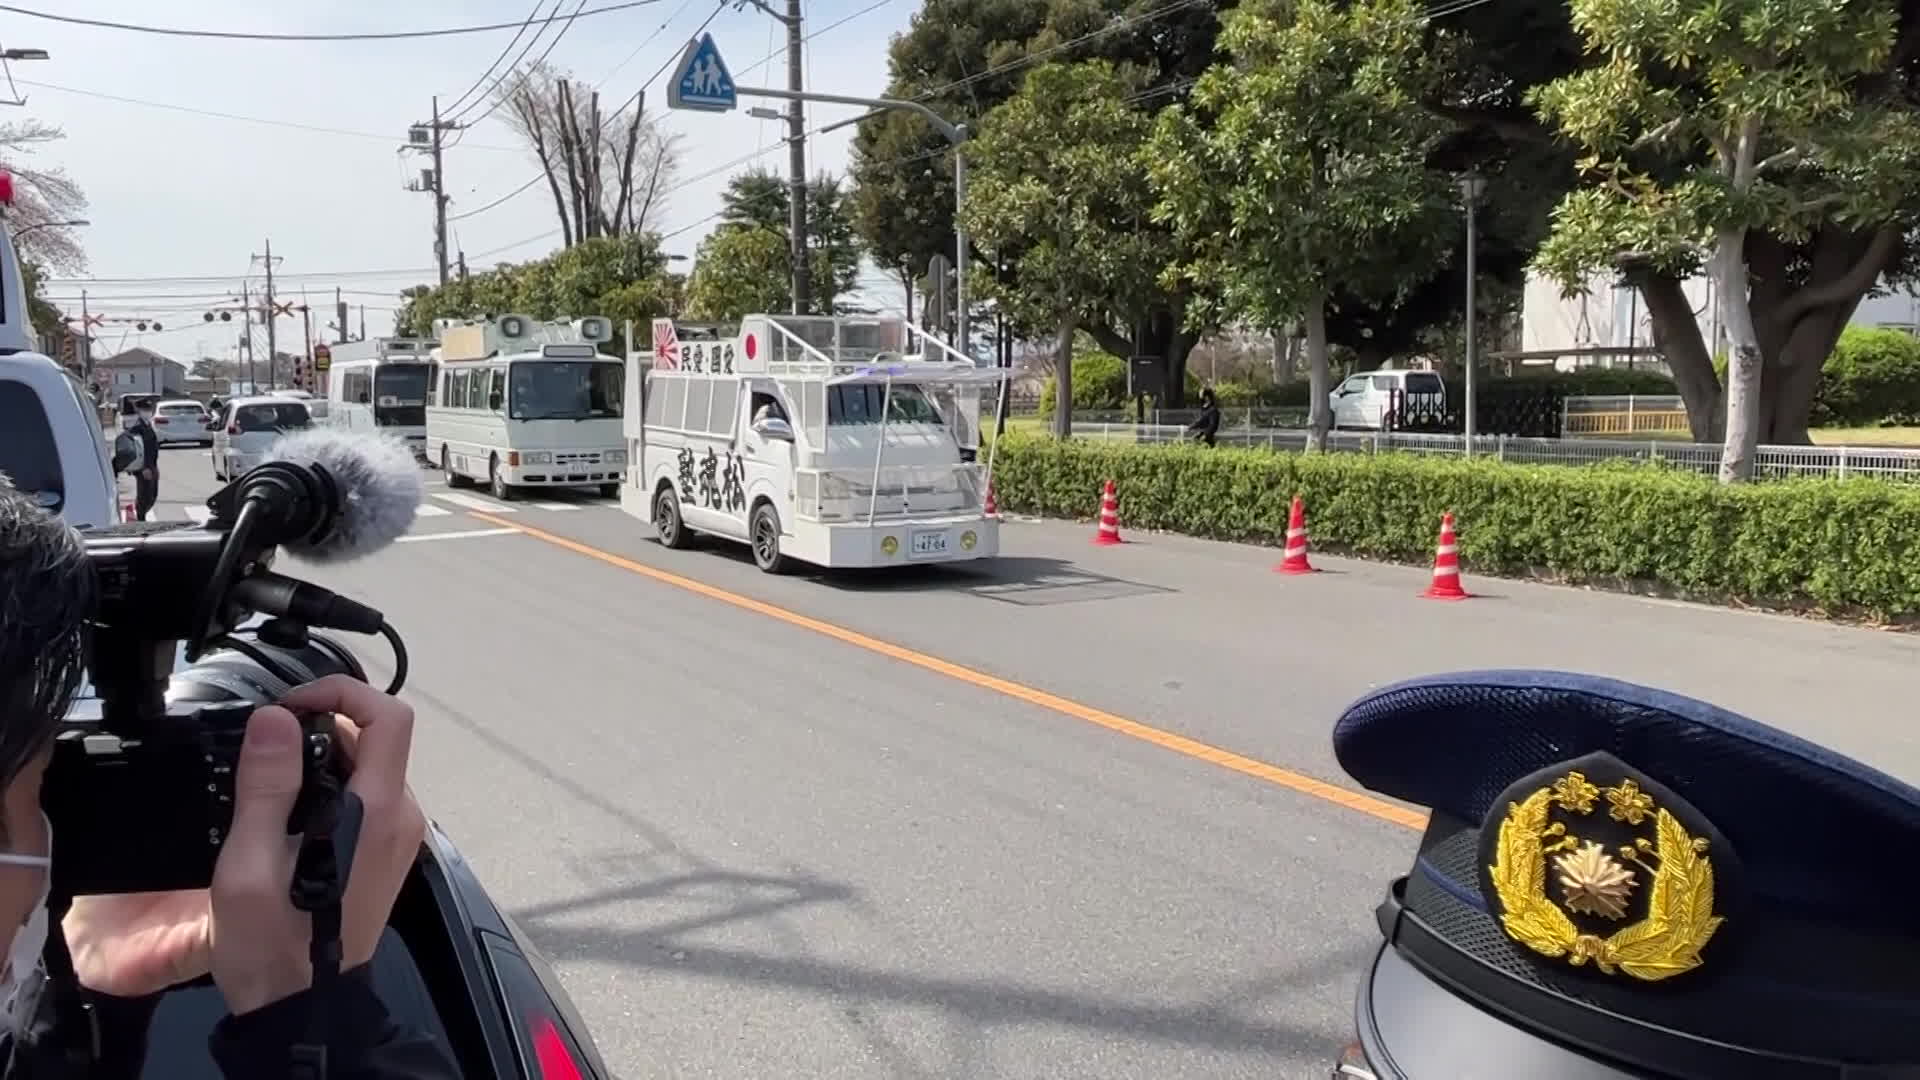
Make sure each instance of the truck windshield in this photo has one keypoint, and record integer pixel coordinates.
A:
(565, 390)
(859, 403)
(400, 395)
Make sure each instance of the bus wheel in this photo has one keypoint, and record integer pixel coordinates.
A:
(454, 479)
(667, 523)
(498, 486)
(765, 532)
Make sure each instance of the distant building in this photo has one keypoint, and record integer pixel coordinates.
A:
(140, 371)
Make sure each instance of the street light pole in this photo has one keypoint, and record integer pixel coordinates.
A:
(956, 135)
(1471, 187)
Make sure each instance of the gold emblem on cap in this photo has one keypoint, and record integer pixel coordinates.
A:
(1593, 881)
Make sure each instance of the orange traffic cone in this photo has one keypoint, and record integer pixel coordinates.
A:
(1296, 557)
(1109, 517)
(993, 507)
(1446, 565)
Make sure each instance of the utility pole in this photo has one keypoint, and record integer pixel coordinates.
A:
(306, 323)
(246, 336)
(267, 314)
(86, 340)
(340, 316)
(430, 139)
(463, 266)
(797, 163)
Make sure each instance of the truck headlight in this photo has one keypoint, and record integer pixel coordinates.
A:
(616, 457)
(536, 457)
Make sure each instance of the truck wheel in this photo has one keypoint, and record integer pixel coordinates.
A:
(667, 522)
(499, 487)
(454, 479)
(765, 532)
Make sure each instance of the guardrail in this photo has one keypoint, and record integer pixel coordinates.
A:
(1776, 462)
(1623, 414)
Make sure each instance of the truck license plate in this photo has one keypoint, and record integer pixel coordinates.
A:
(929, 543)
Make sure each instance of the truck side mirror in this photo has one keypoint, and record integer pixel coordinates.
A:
(772, 427)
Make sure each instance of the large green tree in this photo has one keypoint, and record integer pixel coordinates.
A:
(759, 200)
(1773, 144)
(621, 277)
(741, 271)
(1057, 183)
(1301, 169)
(965, 58)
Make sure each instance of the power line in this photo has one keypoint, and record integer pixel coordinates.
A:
(393, 35)
(228, 116)
(677, 12)
(219, 278)
(502, 199)
(877, 5)
(531, 15)
(498, 98)
(537, 177)
(513, 68)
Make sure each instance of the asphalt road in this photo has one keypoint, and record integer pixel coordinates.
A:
(973, 821)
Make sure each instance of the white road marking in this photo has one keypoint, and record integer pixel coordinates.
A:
(197, 513)
(472, 502)
(430, 510)
(456, 535)
(554, 506)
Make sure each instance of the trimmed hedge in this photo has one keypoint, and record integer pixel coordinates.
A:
(1836, 546)
(1872, 377)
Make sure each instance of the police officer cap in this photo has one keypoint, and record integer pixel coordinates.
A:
(1616, 881)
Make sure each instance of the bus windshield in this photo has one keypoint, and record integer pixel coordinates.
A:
(859, 403)
(565, 390)
(400, 394)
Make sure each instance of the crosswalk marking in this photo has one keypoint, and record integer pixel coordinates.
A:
(472, 502)
(430, 510)
(554, 506)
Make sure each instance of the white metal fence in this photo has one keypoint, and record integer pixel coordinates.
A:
(1769, 461)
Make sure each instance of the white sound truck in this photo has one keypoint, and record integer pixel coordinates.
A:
(526, 404)
(831, 440)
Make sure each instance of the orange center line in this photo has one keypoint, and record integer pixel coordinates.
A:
(1357, 801)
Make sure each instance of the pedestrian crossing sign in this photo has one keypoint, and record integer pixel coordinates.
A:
(702, 80)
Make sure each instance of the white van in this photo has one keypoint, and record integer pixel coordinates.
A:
(381, 385)
(521, 404)
(246, 427)
(835, 441)
(1362, 400)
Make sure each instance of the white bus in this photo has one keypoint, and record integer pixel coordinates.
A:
(381, 384)
(817, 438)
(521, 404)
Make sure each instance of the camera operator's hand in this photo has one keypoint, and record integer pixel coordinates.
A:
(260, 940)
(136, 944)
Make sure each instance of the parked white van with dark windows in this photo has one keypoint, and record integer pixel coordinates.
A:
(1362, 400)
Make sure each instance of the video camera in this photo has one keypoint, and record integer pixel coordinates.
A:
(144, 770)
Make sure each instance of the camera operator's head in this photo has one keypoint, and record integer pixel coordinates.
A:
(46, 592)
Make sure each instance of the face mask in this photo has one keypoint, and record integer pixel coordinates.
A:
(23, 956)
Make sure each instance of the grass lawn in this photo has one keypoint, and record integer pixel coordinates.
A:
(1867, 436)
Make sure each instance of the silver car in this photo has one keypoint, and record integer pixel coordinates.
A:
(182, 421)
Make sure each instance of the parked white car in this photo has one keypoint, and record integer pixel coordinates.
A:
(182, 420)
(247, 426)
(1363, 400)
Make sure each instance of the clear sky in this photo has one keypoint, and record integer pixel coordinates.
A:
(179, 194)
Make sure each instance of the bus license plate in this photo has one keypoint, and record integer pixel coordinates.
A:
(929, 543)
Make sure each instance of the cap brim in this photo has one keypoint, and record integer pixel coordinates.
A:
(1411, 1026)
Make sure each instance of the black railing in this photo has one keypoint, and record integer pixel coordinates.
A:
(1499, 410)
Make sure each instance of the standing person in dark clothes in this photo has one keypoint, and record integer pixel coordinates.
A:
(146, 479)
